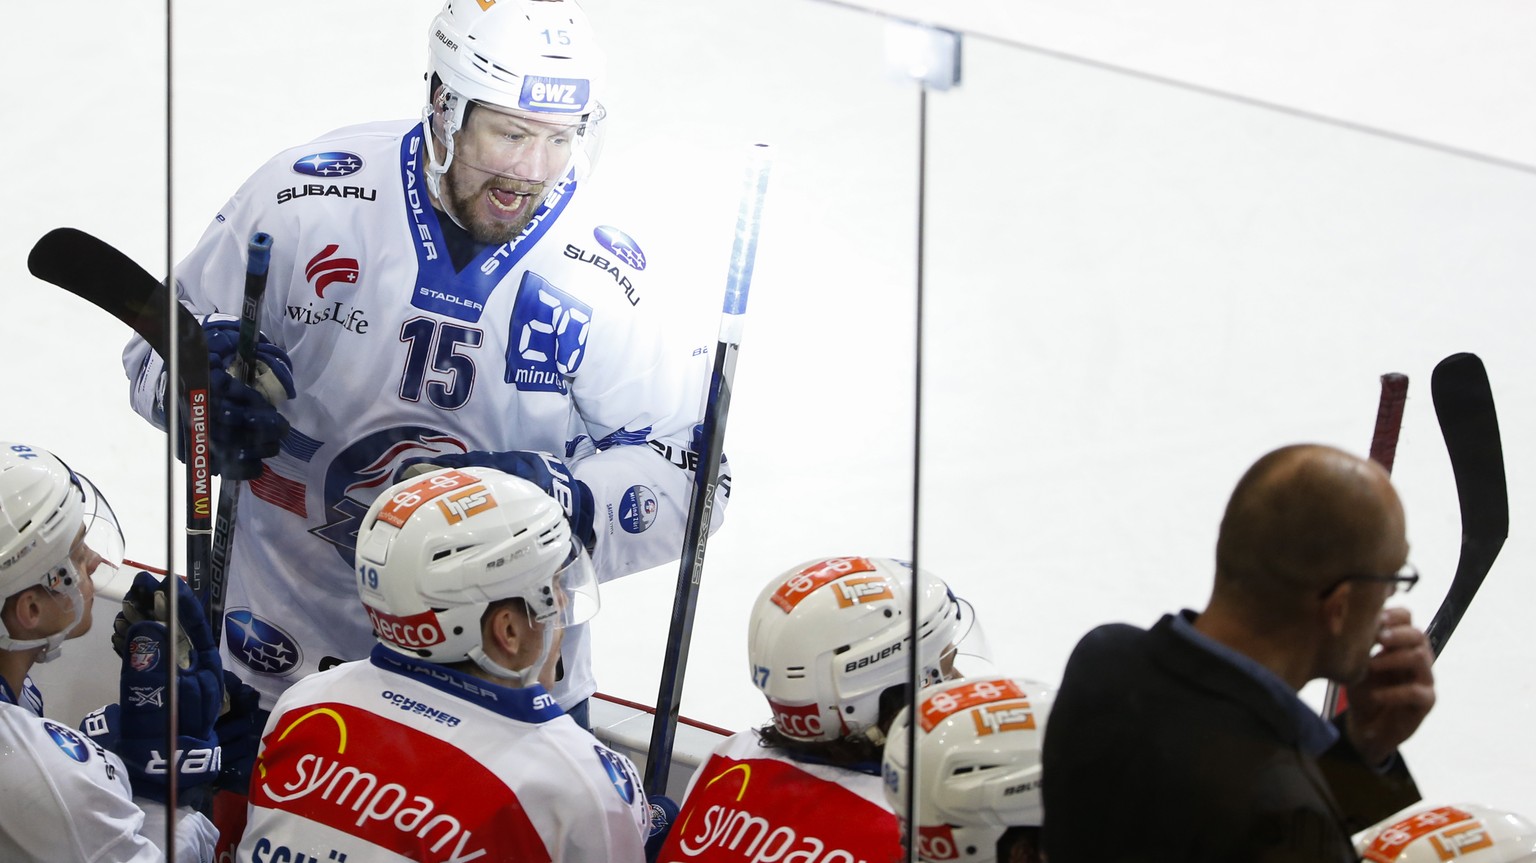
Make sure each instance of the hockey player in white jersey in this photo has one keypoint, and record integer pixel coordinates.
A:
(441, 290)
(829, 648)
(63, 796)
(443, 745)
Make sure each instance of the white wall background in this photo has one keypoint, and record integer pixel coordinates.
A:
(1132, 290)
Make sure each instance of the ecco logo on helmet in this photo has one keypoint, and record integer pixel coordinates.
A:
(556, 95)
(801, 721)
(413, 631)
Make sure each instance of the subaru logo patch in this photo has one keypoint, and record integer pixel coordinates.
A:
(621, 245)
(336, 164)
(259, 644)
(68, 741)
(637, 511)
(619, 772)
(143, 653)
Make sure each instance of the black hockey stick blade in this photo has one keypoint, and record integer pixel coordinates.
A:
(98, 273)
(1464, 405)
(106, 278)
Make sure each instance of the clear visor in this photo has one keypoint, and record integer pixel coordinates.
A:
(99, 553)
(571, 596)
(970, 654)
(535, 151)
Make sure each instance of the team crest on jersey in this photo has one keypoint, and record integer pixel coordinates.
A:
(260, 644)
(143, 653)
(637, 511)
(328, 164)
(68, 741)
(620, 772)
(621, 245)
(357, 475)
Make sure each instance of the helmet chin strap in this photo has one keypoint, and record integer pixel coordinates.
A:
(453, 120)
(520, 678)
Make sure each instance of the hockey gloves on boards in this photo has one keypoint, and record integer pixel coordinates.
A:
(245, 426)
(135, 727)
(540, 468)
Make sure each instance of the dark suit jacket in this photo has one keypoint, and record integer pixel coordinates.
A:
(1159, 750)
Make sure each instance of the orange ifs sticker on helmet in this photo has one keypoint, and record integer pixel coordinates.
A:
(1452, 832)
(942, 705)
(406, 501)
(805, 582)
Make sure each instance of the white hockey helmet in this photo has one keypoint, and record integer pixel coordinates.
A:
(56, 529)
(534, 59)
(829, 636)
(435, 550)
(1464, 832)
(978, 757)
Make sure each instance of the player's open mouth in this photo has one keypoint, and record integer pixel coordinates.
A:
(508, 202)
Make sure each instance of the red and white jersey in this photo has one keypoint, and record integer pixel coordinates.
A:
(395, 759)
(64, 797)
(752, 803)
(553, 342)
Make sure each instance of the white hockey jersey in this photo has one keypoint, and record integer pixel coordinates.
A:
(394, 759)
(545, 343)
(64, 797)
(752, 803)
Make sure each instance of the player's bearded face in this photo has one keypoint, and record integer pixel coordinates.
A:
(503, 166)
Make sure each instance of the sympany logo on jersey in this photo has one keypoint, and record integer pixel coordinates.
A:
(764, 810)
(388, 784)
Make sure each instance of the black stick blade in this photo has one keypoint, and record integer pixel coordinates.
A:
(1464, 406)
(105, 277)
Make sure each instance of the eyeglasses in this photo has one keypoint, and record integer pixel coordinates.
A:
(1402, 581)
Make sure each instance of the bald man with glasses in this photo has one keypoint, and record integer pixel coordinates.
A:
(1187, 741)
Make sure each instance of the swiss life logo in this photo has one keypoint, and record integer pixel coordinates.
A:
(326, 269)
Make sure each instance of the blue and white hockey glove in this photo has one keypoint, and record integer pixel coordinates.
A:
(244, 426)
(135, 727)
(540, 468)
(663, 813)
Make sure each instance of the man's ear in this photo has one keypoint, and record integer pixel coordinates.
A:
(24, 611)
(1335, 609)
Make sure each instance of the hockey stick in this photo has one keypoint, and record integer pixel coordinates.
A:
(706, 477)
(1464, 405)
(1389, 422)
(258, 257)
(108, 279)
